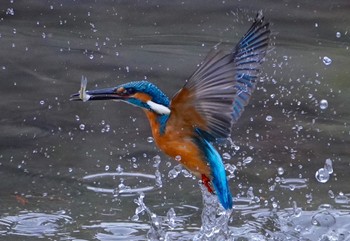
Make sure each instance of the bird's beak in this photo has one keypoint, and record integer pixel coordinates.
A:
(101, 94)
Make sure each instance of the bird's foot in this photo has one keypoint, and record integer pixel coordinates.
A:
(207, 184)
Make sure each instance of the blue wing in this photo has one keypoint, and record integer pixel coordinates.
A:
(222, 85)
(248, 56)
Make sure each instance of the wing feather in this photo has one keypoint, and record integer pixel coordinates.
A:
(217, 92)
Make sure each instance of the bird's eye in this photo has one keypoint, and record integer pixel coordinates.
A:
(131, 91)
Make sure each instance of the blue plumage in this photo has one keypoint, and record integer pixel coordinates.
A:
(146, 87)
(217, 168)
(157, 95)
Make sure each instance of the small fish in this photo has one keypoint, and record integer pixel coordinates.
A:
(82, 92)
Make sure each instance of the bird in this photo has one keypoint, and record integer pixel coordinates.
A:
(201, 114)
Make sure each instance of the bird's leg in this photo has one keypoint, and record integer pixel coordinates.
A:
(206, 182)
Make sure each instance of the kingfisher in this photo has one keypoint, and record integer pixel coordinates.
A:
(202, 112)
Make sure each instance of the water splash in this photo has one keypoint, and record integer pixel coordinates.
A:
(159, 224)
(101, 182)
(215, 219)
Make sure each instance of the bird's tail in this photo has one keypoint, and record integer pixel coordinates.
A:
(220, 183)
(218, 174)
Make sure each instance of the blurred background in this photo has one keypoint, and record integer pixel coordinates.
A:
(90, 171)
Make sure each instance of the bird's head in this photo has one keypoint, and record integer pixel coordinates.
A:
(139, 93)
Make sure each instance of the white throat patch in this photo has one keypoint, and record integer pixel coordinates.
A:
(160, 109)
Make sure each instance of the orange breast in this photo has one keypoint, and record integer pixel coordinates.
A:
(177, 143)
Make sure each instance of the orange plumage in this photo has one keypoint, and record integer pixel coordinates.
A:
(177, 143)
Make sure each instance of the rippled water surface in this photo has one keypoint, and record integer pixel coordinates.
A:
(91, 171)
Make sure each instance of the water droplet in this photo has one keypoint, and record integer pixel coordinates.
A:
(42, 102)
(91, 56)
(297, 211)
(338, 34)
(308, 197)
(119, 169)
(178, 158)
(274, 205)
(226, 156)
(323, 219)
(10, 11)
(322, 175)
(328, 166)
(326, 60)
(247, 160)
(150, 139)
(298, 228)
(186, 173)
(77, 118)
(173, 173)
(323, 104)
(82, 127)
(157, 161)
(231, 169)
(341, 199)
(171, 217)
(331, 194)
(106, 168)
(158, 179)
(70, 169)
(250, 193)
(268, 118)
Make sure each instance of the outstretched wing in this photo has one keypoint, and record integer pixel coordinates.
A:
(216, 93)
